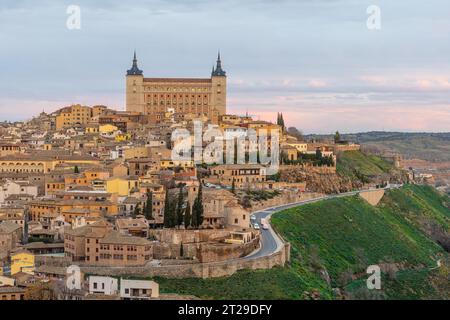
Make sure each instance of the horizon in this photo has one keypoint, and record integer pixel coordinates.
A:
(318, 63)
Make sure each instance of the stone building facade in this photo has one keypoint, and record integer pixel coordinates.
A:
(183, 97)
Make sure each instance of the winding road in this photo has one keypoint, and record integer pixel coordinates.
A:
(270, 241)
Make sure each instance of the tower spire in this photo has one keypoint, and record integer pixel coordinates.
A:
(134, 71)
(219, 71)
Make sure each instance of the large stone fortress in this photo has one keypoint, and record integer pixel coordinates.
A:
(184, 97)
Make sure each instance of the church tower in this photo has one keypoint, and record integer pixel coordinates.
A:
(135, 88)
(219, 88)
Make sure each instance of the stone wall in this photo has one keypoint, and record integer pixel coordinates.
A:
(309, 167)
(284, 198)
(52, 261)
(204, 251)
(197, 270)
(372, 196)
(175, 236)
(211, 252)
(346, 147)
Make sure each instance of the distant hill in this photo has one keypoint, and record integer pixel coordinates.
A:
(334, 241)
(427, 146)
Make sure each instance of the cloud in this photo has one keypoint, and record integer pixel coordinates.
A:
(313, 60)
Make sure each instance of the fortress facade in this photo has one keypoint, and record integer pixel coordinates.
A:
(182, 97)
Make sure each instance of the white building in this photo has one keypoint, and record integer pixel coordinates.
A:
(103, 285)
(138, 289)
(17, 188)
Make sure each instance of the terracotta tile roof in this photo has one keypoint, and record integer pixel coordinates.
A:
(8, 227)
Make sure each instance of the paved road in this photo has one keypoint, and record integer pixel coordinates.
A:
(270, 241)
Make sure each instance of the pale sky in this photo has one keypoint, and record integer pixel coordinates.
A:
(314, 60)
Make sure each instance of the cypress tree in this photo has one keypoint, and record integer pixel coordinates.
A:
(194, 221)
(167, 217)
(179, 209)
(199, 210)
(283, 127)
(337, 137)
(172, 215)
(137, 210)
(187, 216)
(148, 209)
(233, 187)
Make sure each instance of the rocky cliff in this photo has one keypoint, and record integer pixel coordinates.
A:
(320, 182)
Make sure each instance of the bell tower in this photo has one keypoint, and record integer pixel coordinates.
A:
(219, 88)
(135, 88)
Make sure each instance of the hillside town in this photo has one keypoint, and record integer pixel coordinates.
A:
(100, 188)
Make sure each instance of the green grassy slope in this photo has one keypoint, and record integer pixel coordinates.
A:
(342, 237)
(356, 164)
(276, 283)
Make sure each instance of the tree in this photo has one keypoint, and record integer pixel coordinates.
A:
(148, 209)
(200, 206)
(233, 187)
(194, 222)
(337, 137)
(283, 127)
(284, 158)
(137, 210)
(171, 213)
(40, 291)
(167, 217)
(197, 209)
(181, 250)
(144, 208)
(318, 154)
(76, 169)
(179, 209)
(187, 216)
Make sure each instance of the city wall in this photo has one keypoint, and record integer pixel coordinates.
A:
(285, 198)
(182, 268)
(310, 168)
(197, 270)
